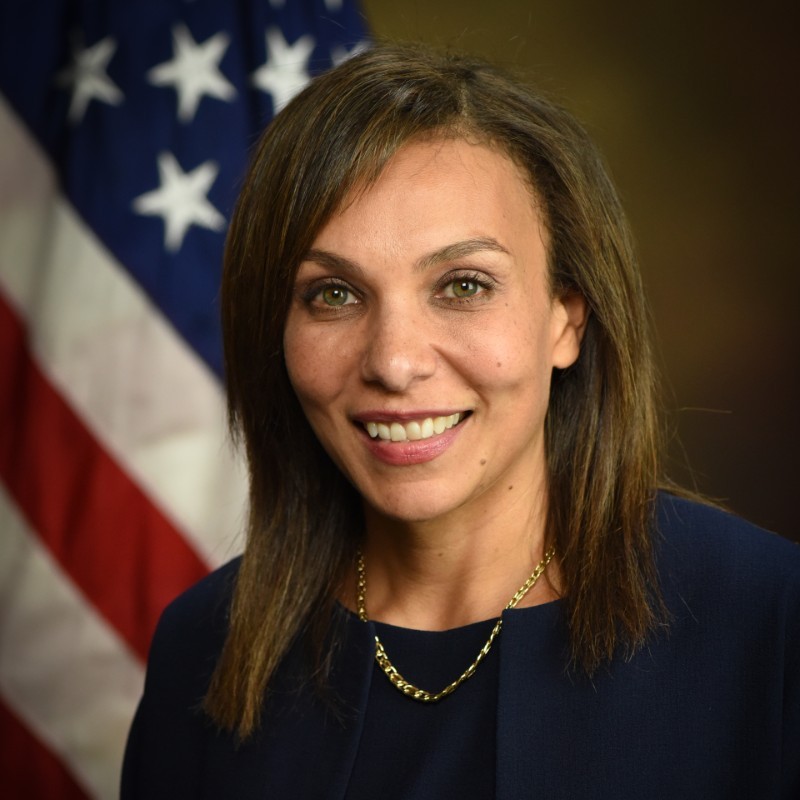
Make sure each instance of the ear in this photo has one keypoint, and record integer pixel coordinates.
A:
(570, 315)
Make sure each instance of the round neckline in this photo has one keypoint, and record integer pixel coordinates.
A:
(505, 614)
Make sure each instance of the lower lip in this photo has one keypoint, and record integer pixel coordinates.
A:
(404, 454)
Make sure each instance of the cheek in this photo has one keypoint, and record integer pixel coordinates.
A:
(301, 363)
(508, 355)
(317, 368)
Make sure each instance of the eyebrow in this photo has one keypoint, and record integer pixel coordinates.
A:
(333, 262)
(450, 252)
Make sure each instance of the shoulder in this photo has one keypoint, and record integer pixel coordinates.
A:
(208, 599)
(168, 736)
(190, 635)
(711, 559)
(705, 532)
(733, 595)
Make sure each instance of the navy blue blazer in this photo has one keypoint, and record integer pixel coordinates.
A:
(709, 709)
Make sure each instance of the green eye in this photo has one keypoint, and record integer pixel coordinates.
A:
(464, 288)
(335, 296)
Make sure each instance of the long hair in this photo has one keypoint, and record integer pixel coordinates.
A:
(601, 435)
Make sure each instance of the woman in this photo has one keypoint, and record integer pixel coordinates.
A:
(438, 365)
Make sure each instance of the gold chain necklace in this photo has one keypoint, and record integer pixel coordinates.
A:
(398, 681)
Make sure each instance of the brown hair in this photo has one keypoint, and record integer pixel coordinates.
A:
(601, 434)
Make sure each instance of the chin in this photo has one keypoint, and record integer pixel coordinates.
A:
(409, 507)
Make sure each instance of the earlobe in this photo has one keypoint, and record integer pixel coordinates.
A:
(571, 314)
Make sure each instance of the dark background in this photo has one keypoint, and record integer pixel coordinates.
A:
(695, 107)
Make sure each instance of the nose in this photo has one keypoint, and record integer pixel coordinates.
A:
(399, 350)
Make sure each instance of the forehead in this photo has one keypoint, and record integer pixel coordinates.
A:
(435, 189)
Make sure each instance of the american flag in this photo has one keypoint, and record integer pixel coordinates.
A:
(124, 133)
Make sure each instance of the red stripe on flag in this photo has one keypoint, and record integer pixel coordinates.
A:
(28, 768)
(104, 531)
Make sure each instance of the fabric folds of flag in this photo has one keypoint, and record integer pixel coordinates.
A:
(124, 132)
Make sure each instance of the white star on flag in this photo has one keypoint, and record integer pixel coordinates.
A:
(194, 71)
(181, 200)
(285, 72)
(88, 78)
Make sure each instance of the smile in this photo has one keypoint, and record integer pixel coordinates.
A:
(412, 431)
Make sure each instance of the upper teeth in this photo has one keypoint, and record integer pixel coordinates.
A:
(411, 431)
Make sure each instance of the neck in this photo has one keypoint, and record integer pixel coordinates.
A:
(445, 573)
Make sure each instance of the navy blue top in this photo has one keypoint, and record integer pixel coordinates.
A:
(708, 709)
(436, 750)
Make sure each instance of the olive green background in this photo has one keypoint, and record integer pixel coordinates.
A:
(695, 106)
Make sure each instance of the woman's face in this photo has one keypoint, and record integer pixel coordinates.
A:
(422, 336)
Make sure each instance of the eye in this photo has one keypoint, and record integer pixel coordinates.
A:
(335, 296)
(326, 295)
(464, 287)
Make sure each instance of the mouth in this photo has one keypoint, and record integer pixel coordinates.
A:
(413, 430)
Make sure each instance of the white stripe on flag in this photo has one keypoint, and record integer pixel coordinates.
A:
(63, 670)
(113, 356)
